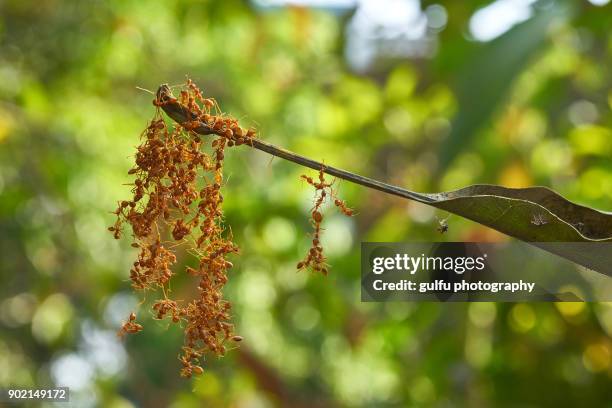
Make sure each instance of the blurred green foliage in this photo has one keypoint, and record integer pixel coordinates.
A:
(70, 116)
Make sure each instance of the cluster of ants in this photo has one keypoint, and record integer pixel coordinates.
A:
(169, 209)
(314, 258)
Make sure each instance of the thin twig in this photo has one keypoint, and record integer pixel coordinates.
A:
(181, 114)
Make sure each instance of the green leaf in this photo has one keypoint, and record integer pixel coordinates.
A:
(486, 79)
(535, 215)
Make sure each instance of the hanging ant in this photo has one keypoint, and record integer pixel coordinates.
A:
(315, 258)
(129, 327)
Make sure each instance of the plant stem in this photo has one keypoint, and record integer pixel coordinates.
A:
(181, 114)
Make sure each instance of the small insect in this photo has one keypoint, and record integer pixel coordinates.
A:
(442, 225)
(538, 220)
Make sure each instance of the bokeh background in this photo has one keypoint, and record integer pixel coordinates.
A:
(428, 95)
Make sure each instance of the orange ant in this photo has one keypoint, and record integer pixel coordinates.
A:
(130, 326)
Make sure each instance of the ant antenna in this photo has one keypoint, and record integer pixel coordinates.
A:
(146, 90)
